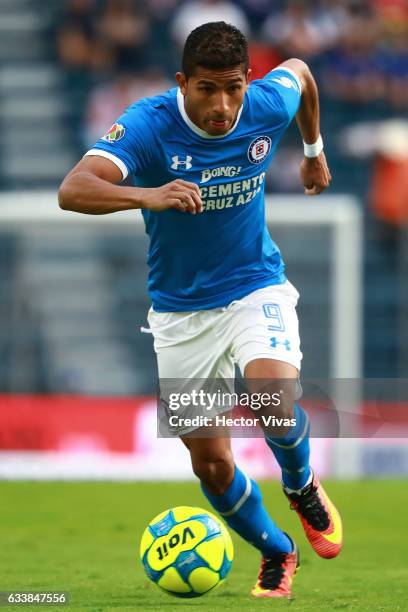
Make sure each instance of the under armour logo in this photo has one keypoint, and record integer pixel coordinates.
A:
(275, 342)
(181, 162)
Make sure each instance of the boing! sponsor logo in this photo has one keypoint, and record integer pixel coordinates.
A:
(259, 149)
(227, 171)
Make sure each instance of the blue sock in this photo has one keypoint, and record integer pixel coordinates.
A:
(242, 509)
(292, 451)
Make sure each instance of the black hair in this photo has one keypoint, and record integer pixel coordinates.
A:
(215, 45)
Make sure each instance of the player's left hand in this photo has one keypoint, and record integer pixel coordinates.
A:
(315, 174)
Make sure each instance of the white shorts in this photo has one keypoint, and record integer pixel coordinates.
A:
(208, 343)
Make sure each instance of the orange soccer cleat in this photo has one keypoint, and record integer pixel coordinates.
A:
(276, 575)
(319, 517)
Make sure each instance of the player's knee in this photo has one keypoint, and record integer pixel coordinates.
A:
(285, 410)
(281, 422)
(215, 472)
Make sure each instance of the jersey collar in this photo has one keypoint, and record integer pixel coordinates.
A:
(194, 127)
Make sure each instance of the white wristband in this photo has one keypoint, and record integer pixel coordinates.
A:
(313, 150)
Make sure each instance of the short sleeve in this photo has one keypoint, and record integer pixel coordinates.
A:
(128, 142)
(282, 89)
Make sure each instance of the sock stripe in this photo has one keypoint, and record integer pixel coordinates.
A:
(296, 442)
(241, 500)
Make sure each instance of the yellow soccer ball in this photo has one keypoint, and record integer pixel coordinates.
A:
(186, 551)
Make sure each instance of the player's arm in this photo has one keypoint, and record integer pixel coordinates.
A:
(92, 188)
(314, 172)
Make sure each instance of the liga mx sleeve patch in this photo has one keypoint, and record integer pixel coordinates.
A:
(130, 140)
(116, 132)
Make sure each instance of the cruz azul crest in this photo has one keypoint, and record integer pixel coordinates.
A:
(259, 149)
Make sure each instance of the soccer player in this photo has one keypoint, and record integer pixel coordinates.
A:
(198, 154)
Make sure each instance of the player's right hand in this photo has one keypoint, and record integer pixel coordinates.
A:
(179, 194)
(315, 174)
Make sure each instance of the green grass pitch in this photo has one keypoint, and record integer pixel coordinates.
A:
(84, 538)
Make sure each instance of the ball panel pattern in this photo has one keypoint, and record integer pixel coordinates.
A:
(186, 551)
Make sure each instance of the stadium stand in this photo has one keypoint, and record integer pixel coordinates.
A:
(35, 144)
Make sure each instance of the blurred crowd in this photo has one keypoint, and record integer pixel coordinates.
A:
(361, 46)
(117, 51)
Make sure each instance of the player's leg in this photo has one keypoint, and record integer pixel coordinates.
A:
(290, 447)
(320, 518)
(268, 353)
(266, 347)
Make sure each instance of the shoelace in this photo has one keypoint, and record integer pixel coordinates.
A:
(311, 508)
(272, 571)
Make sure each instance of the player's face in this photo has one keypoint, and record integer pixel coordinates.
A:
(212, 98)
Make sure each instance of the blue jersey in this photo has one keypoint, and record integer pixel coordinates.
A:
(207, 260)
